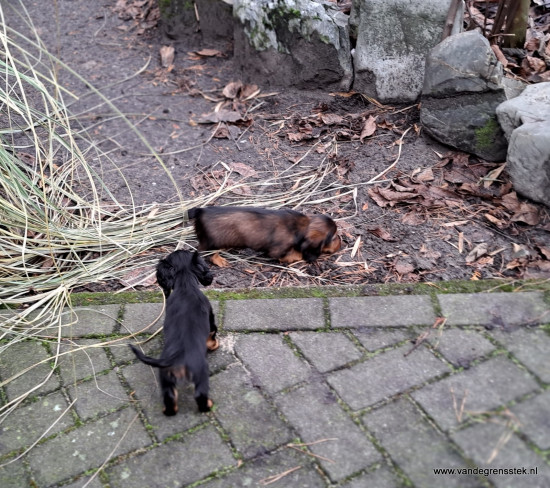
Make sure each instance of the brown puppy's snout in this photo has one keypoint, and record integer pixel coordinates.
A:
(334, 245)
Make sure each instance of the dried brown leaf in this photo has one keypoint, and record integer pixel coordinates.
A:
(369, 127)
(477, 252)
(403, 267)
(220, 116)
(208, 53)
(167, 54)
(331, 119)
(231, 90)
(382, 233)
(243, 169)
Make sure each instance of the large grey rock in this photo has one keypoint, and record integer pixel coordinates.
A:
(526, 122)
(393, 39)
(302, 43)
(463, 85)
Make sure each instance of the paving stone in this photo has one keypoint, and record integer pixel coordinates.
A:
(373, 339)
(274, 314)
(315, 414)
(84, 321)
(385, 375)
(26, 424)
(138, 316)
(99, 396)
(271, 361)
(531, 346)
(259, 471)
(81, 363)
(481, 441)
(14, 475)
(87, 447)
(534, 417)
(143, 381)
(461, 347)
(415, 446)
(325, 350)
(381, 478)
(487, 386)
(387, 311)
(18, 357)
(85, 481)
(175, 464)
(252, 424)
(494, 309)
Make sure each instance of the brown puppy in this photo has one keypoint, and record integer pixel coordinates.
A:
(286, 235)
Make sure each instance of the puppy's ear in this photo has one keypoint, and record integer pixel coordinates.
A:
(165, 276)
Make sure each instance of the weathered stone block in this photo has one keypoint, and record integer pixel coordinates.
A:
(393, 39)
(399, 426)
(390, 311)
(462, 89)
(315, 414)
(482, 388)
(400, 373)
(302, 43)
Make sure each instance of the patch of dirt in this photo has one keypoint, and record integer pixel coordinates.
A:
(408, 209)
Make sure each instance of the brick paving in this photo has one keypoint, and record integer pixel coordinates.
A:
(308, 392)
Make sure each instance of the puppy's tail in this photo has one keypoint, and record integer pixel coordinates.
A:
(157, 363)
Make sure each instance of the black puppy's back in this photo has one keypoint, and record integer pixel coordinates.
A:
(188, 324)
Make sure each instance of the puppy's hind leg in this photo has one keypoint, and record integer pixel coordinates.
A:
(201, 389)
(212, 343)
(168, 383)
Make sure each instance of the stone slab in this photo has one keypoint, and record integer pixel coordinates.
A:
(271, 361)
(250, 421)
(145, 390)
(481, 388)
(274, 314)
(494, 310)
(314, 412)
(381, 478)
(531, 346)
(93, 320)
(101, 395)
(27, 424)
(385, 375)
(482, 442)
(87, 447)
(175, 464)
(534, 419)
(398, 427)
(85, 360)
(461, 347)
(373, 339)
(263, 469)
(387, 311)
(14, 475)
(326, 350)
(16, 358)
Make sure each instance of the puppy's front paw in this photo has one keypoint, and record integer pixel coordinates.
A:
(219, 261)
(212, 343)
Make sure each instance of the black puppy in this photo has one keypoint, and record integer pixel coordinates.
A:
(189, 328)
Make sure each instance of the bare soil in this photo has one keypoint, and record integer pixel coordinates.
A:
(437, 214)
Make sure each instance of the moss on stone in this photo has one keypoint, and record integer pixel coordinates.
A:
(486, 135)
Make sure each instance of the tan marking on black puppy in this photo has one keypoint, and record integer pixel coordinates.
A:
(284, 234)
